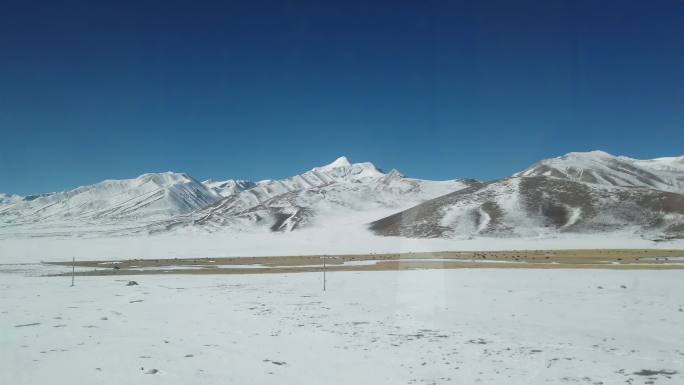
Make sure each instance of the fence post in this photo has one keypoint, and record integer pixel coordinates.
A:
(73, 270)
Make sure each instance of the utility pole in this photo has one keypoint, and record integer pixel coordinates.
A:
(73, 270)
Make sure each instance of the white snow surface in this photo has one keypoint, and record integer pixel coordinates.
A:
(337, 192)
(328, 207)
(469, 326)
(229, 187)
(600, 167)
(143, 199)
(314, 241)
(9, 199)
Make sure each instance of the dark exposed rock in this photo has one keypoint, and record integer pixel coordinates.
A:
(530, 204)
(649, 372)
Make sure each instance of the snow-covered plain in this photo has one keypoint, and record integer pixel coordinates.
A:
(469, 326)
(318, 241)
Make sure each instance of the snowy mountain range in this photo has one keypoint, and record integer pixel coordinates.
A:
(576, 193)
(589, 193)
(326, 195)
(340, 192)
(598, 167)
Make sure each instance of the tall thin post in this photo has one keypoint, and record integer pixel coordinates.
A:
(324, 267)
(73, 270)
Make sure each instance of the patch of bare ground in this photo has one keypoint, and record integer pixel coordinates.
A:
(650, 259)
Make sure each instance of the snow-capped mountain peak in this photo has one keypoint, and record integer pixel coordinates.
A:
(335, 192)
(342, 170)
(8, 199)
(579, 191)
(583, 192)
(149, 197)
(339, 162)
(599, 167)
(230, 186)
(394, 173)
(164, 179)
(670, 164)
(597, 154)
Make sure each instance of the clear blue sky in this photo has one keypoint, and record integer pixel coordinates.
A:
(253, 89)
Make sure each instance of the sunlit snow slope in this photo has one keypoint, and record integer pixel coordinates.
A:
(340, 193)
(586, 193)
(107, 205)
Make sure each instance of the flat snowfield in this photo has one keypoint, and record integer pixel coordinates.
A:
(465, 326)
(332, 240)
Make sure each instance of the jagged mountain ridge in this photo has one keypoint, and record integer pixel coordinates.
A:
(160, 202)
(229, 187)
(591, 192)
(7, 199)
(145, 198)
(599, 167)
(327, 193)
